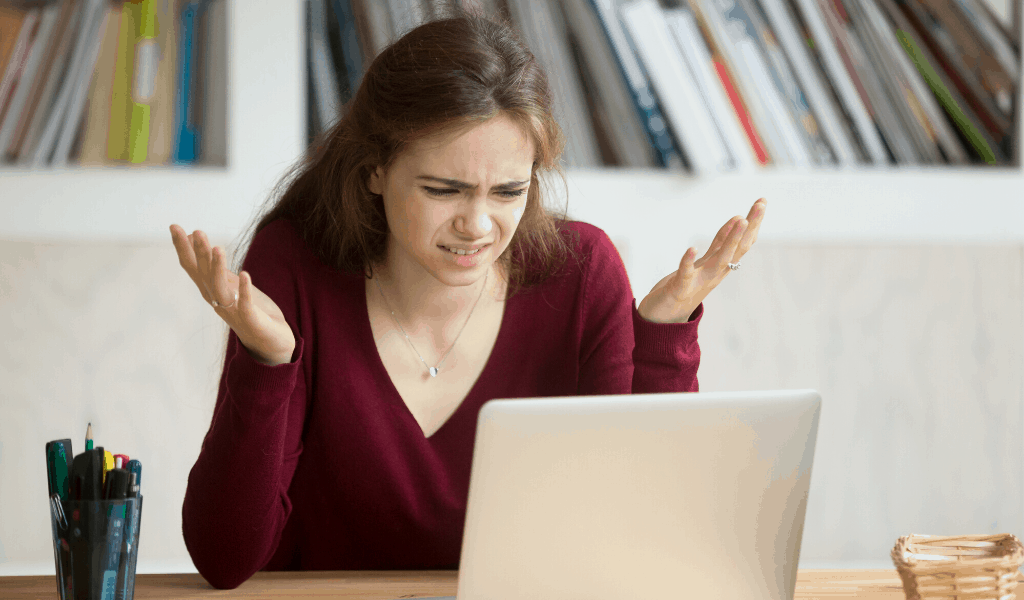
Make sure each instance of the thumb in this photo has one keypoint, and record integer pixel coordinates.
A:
(686, 263)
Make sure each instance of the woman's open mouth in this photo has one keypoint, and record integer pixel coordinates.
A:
(465, 257)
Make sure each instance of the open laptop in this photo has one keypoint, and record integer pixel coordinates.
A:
(652, 496)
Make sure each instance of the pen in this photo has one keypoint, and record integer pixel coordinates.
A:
(120, 461)
(135, 469)
(87, 475)
(88, 437)
(116, 486)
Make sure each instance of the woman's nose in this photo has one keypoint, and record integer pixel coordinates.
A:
(474, 221)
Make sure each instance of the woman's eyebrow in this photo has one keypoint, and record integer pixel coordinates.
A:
(462, 185)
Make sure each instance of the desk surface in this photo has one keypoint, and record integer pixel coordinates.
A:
(880, 584)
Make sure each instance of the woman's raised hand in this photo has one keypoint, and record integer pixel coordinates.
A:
(251, 314)
(676, 296)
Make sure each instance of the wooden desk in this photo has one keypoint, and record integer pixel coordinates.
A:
(881, 584)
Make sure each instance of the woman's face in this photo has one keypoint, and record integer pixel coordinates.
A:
(453, 205)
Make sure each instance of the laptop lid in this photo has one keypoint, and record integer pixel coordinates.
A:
(648, 496)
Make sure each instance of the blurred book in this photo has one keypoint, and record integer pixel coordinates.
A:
(544, 30)
(688, 113)
(98, 83)
(625, 126)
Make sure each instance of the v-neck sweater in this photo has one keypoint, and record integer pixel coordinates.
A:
(318, 464)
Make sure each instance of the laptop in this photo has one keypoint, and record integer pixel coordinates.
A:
(650, 496)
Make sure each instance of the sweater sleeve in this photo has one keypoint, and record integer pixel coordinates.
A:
(236, 503)
(621, 352)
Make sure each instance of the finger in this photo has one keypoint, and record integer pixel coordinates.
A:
(202, 249)
(728, 252)
(183, 246)
(757, 209)
(754, 225)
(716, 244)
(723, 234)
(221, 283)
(186, 254)
(244, 291)
(686, 262)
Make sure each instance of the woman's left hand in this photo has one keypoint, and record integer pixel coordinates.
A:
(676, 296)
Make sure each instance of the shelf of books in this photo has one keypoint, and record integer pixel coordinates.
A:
(193, 111)
(867, 101)
(710, 87)
(854, 117)
(101, 83)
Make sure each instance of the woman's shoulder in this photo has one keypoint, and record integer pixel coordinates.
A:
(281, 234)
(585, 239)
(279, 247)
(282, 241)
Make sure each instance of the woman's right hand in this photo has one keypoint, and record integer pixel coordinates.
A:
(251, 314)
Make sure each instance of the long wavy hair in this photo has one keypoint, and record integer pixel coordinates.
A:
(445, 76)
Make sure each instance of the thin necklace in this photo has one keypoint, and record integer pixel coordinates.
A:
(432, 370)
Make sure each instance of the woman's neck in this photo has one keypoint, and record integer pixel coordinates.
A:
(417, 297)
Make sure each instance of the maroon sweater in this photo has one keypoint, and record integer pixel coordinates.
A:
(317, 464)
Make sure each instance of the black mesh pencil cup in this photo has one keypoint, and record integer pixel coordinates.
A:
(95, 546)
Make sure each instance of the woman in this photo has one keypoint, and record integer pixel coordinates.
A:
(408, 274)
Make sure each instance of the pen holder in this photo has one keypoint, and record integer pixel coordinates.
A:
(958, 567)
(95, 546)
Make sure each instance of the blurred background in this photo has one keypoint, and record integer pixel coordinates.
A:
(887, 274)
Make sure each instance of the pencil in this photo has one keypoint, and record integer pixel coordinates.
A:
(88, 437)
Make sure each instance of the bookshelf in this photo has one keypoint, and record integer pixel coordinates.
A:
(266, 133)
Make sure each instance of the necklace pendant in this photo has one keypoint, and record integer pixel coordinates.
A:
(433, 371)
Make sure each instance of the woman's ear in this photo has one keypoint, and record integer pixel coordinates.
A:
(375, 182)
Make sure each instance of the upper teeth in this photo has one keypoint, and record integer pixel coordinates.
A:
(460, 251)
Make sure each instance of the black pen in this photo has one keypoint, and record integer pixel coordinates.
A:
(116, 486)
(87, 475)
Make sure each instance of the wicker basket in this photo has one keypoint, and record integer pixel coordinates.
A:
(958, 567)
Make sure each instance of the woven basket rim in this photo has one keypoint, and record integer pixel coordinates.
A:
(1007, 554)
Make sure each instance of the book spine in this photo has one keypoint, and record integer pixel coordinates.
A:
(17, 63)
(688, 116)
(847, 92)
(760, 151)
(893, 82)
(696, 53)
(972, 61)
(972, 105)
(974, 135)
(626, 132)
(833, 124)
(851, 47)
(994, 36)
(73, 117)
(647, 105)
(31, 75)
(795, 102)
(735, 40)
(325, 81)
(935, 120)
(351, 47)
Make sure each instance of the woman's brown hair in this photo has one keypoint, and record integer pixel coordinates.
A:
(443, 77)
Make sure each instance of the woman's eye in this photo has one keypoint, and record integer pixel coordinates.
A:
(437, 192)
(449, 192)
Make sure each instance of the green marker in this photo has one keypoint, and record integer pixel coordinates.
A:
(58, 467)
